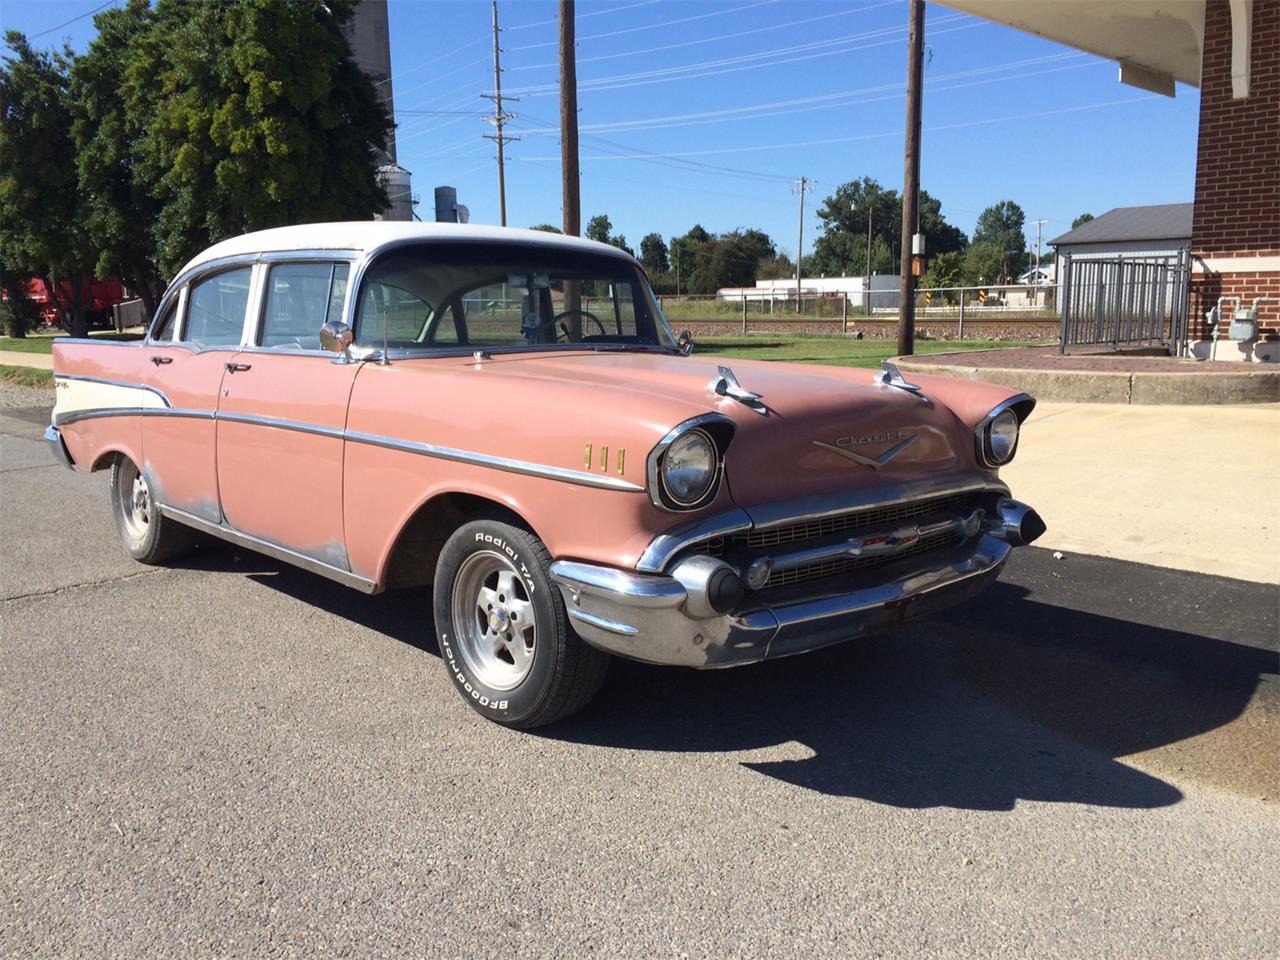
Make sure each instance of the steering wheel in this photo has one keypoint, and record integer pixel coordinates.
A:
(570, 313)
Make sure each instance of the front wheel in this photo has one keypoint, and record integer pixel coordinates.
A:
(148, 535)
(504, 635)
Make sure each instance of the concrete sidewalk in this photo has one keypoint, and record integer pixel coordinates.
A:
(14, 358)
(1188, 487)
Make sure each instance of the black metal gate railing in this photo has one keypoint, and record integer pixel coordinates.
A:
(1125, 301)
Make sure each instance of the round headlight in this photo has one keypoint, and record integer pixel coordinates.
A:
(1002, 436)
(689, 468)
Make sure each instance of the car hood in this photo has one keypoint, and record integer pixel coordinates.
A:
(824, 429)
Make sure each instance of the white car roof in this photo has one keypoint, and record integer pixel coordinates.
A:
(366, 236)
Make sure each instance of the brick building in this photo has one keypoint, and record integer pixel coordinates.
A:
(1230, 49)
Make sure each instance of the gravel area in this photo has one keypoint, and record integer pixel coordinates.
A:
(13, 395)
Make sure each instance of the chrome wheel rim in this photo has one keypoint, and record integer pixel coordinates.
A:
(493, 620)
(133, 497)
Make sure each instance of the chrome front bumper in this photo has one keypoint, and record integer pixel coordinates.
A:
(653, 617)
(53, 437)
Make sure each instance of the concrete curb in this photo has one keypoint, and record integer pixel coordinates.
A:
(1088, 386)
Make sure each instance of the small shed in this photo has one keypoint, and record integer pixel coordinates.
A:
(1160, 230)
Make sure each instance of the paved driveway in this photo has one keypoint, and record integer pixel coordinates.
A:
(233, 758)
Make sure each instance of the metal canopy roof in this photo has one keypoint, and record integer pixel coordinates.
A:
(1162, 36)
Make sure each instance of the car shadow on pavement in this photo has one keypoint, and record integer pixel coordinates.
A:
(1004, 700)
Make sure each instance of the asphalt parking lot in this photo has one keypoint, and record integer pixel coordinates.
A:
(234, 758)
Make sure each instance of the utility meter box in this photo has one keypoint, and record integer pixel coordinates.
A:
(1244, 324)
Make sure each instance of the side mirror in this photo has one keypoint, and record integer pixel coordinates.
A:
(336, 337)
(685, 343)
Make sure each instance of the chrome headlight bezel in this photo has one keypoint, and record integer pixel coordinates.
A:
(993, 452)
(718, 431)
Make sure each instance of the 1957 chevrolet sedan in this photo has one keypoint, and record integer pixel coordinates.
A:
(506, 416)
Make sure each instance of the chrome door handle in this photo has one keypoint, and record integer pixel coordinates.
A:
(159, 360)
(237, 367)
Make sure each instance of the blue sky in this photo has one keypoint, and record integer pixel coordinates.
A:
(704, 111)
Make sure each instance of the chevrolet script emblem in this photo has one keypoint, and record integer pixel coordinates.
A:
(843, 444)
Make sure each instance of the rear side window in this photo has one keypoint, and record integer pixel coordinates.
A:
(216, 307)
(301, 298)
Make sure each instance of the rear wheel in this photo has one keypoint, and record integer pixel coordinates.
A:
(148, 535)
(504, 635)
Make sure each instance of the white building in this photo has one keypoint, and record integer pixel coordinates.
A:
(1155, 231)
(880, 292)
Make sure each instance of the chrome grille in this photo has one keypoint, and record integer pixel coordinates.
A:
(828, 568)
(866, 517)
(790, 536)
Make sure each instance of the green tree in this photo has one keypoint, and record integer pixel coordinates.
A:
(653, 254)
(257, 117)
(1000, 226)
(599, 228)
(546, 228)
(1081, 220)
(122, 205)
(42, 213)
(731, 259)
(945, 270)
(684, 254)
(984, 264)
(841, 246)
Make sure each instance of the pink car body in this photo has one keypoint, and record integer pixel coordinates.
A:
(844, 500)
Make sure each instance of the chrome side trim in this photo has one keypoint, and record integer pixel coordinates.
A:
(115, 383)
(280, 424)
(73, 416)
(102, 342)
(497, 463)
(54, 439)
(259, 545)
(979, 432)
(506, 464)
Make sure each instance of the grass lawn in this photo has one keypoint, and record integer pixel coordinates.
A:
(840, 352)
(26, 376)
(43, 342)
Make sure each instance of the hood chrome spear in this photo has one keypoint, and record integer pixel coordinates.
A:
(725, 384)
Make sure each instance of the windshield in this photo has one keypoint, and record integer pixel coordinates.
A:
(438, 296)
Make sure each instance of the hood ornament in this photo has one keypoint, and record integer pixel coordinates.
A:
(891, 376)
(842, 445)
(725, 384)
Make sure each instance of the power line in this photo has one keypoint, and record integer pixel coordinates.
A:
(584, 16)
(745, 62)
(772, 28)
(839, 98)
(871, 136)
(656, 26)
(96, 9)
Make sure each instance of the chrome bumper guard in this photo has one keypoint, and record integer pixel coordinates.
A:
(53, 437)
(655, 618)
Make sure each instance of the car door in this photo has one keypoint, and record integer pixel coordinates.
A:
(282, 414)
(189, 349)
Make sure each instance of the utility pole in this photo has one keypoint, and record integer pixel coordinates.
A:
(866, 281)
(802, 187)
(569, 120)
(499, 119)
(1039, 230)
(911, 178)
